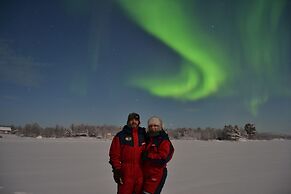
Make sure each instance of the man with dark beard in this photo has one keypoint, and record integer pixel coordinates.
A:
(125, 156)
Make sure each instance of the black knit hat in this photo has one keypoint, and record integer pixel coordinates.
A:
(133, 116)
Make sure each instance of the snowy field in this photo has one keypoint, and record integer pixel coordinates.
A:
(80, 166)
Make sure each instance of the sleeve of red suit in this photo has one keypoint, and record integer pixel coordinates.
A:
(164, 154)
(114, 153)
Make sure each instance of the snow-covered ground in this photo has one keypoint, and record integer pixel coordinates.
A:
(80, 166)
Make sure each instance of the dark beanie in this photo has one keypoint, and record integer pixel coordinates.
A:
(133, 116)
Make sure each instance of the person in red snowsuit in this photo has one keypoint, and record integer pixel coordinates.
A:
(159, 151)
(125, 156)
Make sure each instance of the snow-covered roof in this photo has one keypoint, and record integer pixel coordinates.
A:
(5, 129)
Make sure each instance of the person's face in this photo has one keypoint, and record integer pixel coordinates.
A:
(133, 123)
(154, 128)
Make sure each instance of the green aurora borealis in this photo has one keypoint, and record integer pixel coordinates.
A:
(246, 56)
(194, 63)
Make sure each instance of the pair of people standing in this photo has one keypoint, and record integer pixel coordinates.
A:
(139, 158)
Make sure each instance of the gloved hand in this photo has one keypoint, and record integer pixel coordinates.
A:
(144, 155)
(117, 176)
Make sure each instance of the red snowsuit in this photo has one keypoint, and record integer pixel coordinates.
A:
(158, 153)
(125, 155)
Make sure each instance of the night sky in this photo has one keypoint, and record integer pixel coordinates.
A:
(198, 63)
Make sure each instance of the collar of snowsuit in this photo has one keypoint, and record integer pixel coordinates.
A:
(126, 136)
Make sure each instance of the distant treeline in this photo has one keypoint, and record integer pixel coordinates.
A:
(35, 130)
(232, 133)
(108, 131)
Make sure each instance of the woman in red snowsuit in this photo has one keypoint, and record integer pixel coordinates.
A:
(125, 156)
(158, 153)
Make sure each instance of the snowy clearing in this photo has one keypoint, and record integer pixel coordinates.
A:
(75, 166)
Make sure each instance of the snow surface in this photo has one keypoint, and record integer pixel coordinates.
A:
(80, 166)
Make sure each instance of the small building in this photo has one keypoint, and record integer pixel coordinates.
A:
(109, 136)
(5, 130)
(82, 134)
